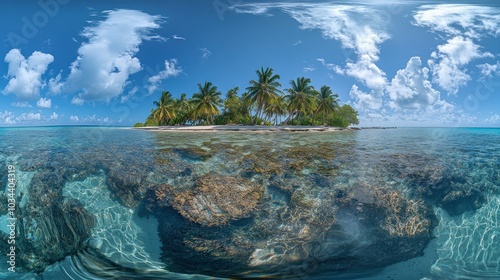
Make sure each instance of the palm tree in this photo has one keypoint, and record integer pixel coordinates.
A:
(206, 101)
(183, 107)
(263, 91)
(232, 99)
(327, 102)
(277, 107)
(165, 108)
(245, 108)
(300, 97)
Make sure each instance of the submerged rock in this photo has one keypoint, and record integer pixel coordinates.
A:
(128, 184)
(437, 183)
(298, 231)
(193, 153)
(459, 201)
(215, 200)
(47, 236)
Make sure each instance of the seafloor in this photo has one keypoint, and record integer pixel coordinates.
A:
(108, 202)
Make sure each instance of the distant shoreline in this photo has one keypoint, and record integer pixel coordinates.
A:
(250, 128)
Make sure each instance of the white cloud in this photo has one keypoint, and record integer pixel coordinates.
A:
(355, 27)
(359, 28)
(462, 50)
(463, 24)
(54, 116)
(336, 68)
(77, 101)
(455, 19)
(106, 61)
(29, 117)
(25, 75)
(205, 53)
(92, 119)
(129, 95)
(255, 9)
(309, 69)
(447, 63)
(56, 85)
(494, 119)
(297, 43)
(74, 118)
(21, 104)
(178, 37)
(7, 117)
(44, 103)
(411, 89)
(366, 71)
(366, 101)
(171, 70)
(419, 118)
(489, 70)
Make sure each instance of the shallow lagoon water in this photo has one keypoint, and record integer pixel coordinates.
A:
(95, 168)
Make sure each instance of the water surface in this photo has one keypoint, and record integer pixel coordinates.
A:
(309, 205)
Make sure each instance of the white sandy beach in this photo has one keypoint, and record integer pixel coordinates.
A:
(245, 128)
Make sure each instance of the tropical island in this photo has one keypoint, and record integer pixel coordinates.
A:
(263, 103)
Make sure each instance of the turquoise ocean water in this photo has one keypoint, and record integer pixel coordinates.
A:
(86, 189)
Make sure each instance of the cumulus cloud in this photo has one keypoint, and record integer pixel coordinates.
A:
(494, 119)
(368, 72)
(74, 118)
(92, 119)
(448, 62)
(25, 75)
(7, 118)
(21, 104)
(44, 103)
(29, 117)
(171, 70)
(462, 25)
(54, 116)
(366, 100)
(104, 63)
(411, 88)
(77, 101)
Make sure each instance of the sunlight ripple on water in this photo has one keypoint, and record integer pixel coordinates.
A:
(316, 196)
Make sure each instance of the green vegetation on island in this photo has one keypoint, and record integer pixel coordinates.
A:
(263, 103)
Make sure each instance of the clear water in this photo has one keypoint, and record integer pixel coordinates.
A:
(125, 243)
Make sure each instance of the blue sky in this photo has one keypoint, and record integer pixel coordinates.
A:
(401, 63)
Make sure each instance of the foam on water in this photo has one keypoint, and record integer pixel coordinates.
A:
(469, 244)
(118, 234)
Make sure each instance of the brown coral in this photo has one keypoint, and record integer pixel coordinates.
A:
(218, 199)
(404, 217)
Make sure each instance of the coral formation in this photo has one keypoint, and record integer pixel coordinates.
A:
(215, 200)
